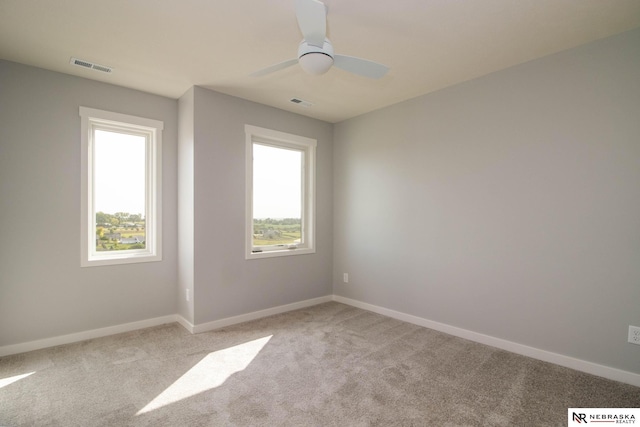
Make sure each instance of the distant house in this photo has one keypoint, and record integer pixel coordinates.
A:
(271, 234)
(113, 236)
(130, 240)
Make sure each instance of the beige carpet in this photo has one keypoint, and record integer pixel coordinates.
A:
(328, 365)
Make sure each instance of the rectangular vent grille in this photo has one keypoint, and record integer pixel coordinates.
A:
(90, 65)
(301, 102)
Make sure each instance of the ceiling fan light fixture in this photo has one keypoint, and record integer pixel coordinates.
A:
(315, 52)
(316, 63)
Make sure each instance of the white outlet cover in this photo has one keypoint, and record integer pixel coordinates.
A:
(634, 335)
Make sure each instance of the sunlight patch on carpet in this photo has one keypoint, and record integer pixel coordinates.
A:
(209, 373)
(10, 380)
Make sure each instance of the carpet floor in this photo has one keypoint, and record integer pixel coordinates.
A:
(327, 365)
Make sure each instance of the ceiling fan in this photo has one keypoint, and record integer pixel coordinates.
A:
(315, 52)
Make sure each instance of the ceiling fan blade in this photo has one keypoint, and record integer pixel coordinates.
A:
(362, 67)
(312, 20)
(273, 68)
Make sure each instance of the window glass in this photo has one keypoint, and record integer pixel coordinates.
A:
(119, 190)
(277, 196)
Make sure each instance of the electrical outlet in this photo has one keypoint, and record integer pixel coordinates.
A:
(634, 335)
(186, 294)
(345, 277)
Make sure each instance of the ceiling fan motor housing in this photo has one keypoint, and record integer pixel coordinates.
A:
(315, 59)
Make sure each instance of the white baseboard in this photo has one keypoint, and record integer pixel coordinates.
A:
(84, 335)
(535, 353)
(185, 323)
(547, 356)
(217, 324)
(128, 327)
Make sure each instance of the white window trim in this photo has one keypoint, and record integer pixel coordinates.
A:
(93, 119)
(284, 140)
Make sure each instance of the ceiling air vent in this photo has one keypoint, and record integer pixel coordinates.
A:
(301, 102)
(90, 65)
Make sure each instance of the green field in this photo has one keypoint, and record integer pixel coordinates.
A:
(268, 232)
(284, 239)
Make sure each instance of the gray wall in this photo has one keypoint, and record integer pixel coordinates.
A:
(508, 205)
(43, 290)
(225, 284)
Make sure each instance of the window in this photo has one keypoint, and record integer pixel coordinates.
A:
(121, 188)
(280, 193)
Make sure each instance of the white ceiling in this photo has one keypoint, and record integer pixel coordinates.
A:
(167, 46)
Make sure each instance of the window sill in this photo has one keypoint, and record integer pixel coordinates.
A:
(279, 253)
(124, 259)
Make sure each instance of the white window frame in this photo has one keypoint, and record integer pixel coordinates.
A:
(92, 120)
(287, 141)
